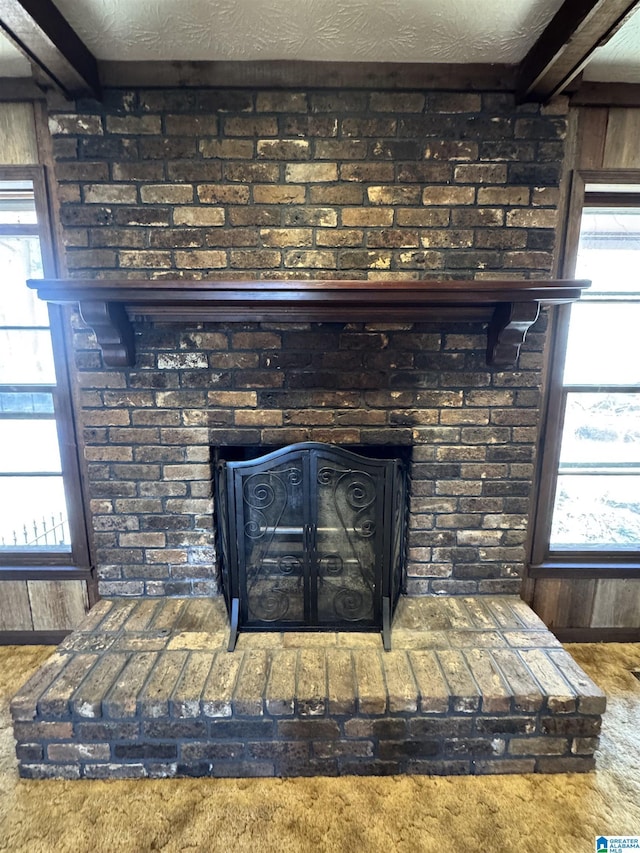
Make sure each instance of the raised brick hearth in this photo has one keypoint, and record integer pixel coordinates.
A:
(146, 688)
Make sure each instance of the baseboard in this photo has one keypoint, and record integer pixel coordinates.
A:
(597, 635)
(32, 638)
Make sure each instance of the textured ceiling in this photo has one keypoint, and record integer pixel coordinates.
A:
(12, 62)
(373, 30)
(619, 60)
(456, 31)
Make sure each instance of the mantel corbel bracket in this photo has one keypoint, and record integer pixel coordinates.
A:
(507, 330)
(508, 307)
(112, 329)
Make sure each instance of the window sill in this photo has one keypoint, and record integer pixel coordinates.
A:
(44, 572)
(577, 568)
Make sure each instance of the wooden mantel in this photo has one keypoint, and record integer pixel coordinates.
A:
(509, 307)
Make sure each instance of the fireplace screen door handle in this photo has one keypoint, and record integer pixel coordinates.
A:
(309, 540)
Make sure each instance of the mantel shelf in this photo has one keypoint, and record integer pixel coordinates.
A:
(509, 307)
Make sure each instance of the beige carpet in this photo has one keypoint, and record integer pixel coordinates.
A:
(527, 814)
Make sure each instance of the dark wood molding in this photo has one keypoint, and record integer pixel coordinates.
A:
(567, 43)
(552, 421)
(20, 89)
(507, 330)
(41, 178)
(610, 178)
(42, 572)
(575, 565)
(288, 74)
(597, 635)
(611, 199)
(509, 307)
(73, 462)
(113, 330)
(606, 95)
(44, 36)
(32, 638)
(576, 569)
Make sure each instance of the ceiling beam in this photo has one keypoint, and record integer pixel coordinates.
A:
(44, 36)
(290, 73)
(567, 43)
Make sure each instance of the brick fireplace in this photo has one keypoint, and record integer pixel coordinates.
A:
(168, 402)
(200, 184)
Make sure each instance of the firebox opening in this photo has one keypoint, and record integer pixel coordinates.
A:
(311, 537)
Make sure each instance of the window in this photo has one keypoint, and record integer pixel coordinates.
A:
(589, 507)
(39, 488)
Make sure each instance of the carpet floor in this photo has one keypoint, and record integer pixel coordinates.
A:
(527, 814)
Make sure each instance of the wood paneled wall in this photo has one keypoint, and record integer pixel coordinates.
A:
(18, 140)
(608, 138)
(596, 608)
(44, 606)
(39, 605)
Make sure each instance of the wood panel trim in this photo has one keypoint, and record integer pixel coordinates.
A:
(606, 95)
(32, 638)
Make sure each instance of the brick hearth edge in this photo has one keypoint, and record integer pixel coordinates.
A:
(146, 689)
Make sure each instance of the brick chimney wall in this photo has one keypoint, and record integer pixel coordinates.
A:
(201, 183)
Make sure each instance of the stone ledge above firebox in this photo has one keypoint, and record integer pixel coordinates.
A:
(474, 685)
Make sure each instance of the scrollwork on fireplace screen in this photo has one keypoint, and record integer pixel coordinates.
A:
(274, 576)
(348, 499)
(312, 539)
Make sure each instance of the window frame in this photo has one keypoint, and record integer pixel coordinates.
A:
(542, 561)
(76, 563)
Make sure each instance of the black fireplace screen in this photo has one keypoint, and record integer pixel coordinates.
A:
(311, 537)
